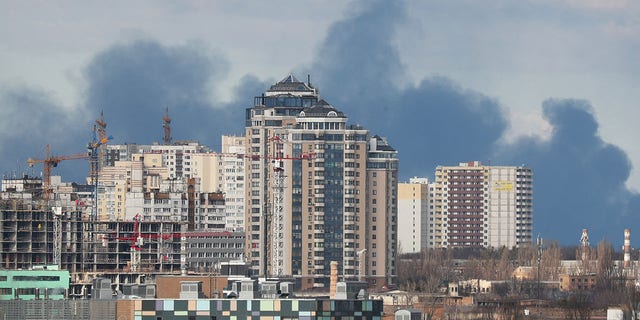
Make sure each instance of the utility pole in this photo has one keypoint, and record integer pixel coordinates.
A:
(539, 243)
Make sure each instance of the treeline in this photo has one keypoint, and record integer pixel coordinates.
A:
(430, 271)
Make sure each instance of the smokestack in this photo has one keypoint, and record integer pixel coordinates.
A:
(333, 279)
(627, 248)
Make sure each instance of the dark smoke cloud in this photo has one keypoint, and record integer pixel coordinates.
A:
(579, 178)
(435, 122)
(30, 120)
(134, 82)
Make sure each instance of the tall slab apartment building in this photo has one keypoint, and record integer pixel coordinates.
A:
(317, 190)
(475, 205)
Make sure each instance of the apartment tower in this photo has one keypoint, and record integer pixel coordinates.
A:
(481, 206)
(318, 190)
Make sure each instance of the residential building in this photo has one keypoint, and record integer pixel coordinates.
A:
(481, 206)
(233, 184)
(413, 211)
(318, 190)
(176, 157)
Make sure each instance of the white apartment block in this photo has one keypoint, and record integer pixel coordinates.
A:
(154, 181)
(481, 206)
(137, 187)
(413, 219)
(177, 157)
(232, 177)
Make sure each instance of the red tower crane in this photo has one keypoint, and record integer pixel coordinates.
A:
(137, 239)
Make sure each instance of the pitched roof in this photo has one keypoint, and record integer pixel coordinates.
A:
(291, 83)
(322, 109)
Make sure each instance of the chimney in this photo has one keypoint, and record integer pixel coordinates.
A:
(627, 248)
(333, 279)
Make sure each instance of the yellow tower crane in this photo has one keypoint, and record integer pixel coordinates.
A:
(49, 163)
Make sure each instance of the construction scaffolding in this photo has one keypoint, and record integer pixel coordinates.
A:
(34, 233)
(29, 235)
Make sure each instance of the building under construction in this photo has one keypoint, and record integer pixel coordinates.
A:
(38, 231)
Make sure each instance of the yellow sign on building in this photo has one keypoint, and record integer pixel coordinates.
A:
(503, 185)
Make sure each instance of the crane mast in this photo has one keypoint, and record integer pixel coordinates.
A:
(166, 125)
(49, 162)
(57, 236)
(277, 219)
(136, 244)
(94, 149)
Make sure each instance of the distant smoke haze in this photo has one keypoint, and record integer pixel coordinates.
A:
(579, 180)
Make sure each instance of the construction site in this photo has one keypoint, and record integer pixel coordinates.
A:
(46, 222)
(35, 233)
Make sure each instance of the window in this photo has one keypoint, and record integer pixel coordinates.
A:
(36, 278)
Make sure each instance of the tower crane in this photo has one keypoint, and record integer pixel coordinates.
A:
(139, 239)
(277, 213)
(166, 124)
(49, 163)
(136, 244)
(57, 236)
(95, 157)
(99, 138)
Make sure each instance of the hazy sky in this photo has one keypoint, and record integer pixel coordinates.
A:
(548, 83)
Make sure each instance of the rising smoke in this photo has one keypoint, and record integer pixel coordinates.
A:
(579, 178)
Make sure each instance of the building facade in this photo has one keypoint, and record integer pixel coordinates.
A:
(481, 206)
(413, 215)
(47, 282)
(157, 181)
(318, 190)
(233, 180)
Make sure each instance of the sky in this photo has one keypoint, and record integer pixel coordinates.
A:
(550, 84)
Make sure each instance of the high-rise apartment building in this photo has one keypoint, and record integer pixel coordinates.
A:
(133, 175)
(481, 206)
(177, 157)
(318, 190)
(233, 180)
(413, 219)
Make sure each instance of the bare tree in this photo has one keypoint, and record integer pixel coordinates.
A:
(632, 302)
(607, 275)
(550, 262)
(425, 272)
(577, 306)
(526, 255)
(504, 266)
